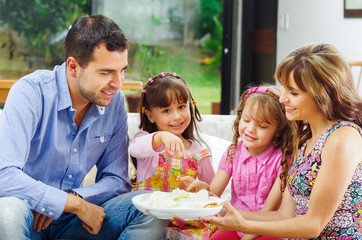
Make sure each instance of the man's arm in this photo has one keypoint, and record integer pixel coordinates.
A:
(18, 124)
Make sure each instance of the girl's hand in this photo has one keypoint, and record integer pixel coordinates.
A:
(230, 221)
(193, 185)
(171, 141)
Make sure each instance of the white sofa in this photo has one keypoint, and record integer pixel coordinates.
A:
(216, 131)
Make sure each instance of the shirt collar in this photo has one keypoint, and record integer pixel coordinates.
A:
(263, 157)
(63, 89)
(64, 95)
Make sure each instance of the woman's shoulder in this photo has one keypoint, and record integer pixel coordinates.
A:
(347, 130)
(344, 140)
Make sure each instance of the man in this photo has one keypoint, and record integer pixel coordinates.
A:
(56, 125)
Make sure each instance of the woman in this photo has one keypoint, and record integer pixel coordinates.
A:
(323, 199)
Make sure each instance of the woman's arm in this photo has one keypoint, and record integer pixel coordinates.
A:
(272, 203)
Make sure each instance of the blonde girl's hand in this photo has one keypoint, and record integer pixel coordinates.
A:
(193, 185)
(171, 141)
(228, 220)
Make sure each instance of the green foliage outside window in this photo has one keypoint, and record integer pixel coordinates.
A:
(42, 25)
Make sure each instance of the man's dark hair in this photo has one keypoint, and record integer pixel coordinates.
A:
(87, 32)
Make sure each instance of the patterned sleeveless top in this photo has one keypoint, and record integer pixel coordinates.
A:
(169, 167)
(346, 223)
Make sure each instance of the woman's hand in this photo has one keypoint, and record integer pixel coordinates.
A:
(229, 219)
(171, 141)
(193, 185)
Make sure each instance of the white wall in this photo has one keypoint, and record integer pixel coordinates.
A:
(311, 21)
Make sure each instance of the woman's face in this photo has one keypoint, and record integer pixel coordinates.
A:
(299, 105)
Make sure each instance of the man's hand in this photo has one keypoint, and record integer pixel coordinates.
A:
(41, 221)
(91, 214)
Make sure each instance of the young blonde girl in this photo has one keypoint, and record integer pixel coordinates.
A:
(258, 158)
(166, 147)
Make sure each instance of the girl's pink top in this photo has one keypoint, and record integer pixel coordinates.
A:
(252, 176)
(148, 158)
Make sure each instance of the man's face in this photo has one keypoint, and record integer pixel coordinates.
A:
(103, 76)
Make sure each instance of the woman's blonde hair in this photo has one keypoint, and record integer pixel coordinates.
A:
(267, 107)
(322, 71)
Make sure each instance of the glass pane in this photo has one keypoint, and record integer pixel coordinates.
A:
(182, 36)
(32, 33)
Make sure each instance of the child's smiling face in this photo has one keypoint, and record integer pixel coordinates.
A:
(174, 119)
(256, 132)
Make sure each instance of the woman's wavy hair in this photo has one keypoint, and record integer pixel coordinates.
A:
(266, 107)
(322, 71)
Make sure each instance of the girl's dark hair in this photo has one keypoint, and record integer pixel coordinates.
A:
(160, 91)
(87, 32)
(267, 108)
(322, 71)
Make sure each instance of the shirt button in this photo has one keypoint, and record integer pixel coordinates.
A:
(43, 209)
(50, 213)
(74, 124)
(102, 139)
(75, 150)
(70, 176)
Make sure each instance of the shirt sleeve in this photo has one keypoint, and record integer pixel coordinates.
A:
(225, 165)
(147, 157)
(141, 146)
(18, 123)
(206, 172)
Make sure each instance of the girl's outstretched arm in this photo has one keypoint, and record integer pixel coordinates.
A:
(193, 185)
(171, 141)
(217, 185)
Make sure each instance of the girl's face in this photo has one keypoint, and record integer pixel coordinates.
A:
(299, 105)
(255, 133)
(174, 118)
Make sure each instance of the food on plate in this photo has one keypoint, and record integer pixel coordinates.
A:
(173, 199)
(211, 205)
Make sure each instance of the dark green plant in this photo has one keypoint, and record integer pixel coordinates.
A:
(208, 10)
(214, 45)
(41, 24)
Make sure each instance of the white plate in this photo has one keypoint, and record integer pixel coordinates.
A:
(186, 210)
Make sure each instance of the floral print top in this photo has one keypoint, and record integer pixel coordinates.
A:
(169, 168)
(346, 223)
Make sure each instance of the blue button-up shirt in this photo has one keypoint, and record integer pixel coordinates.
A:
(41, 151)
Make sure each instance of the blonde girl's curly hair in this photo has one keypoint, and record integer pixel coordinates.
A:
(267, 108)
